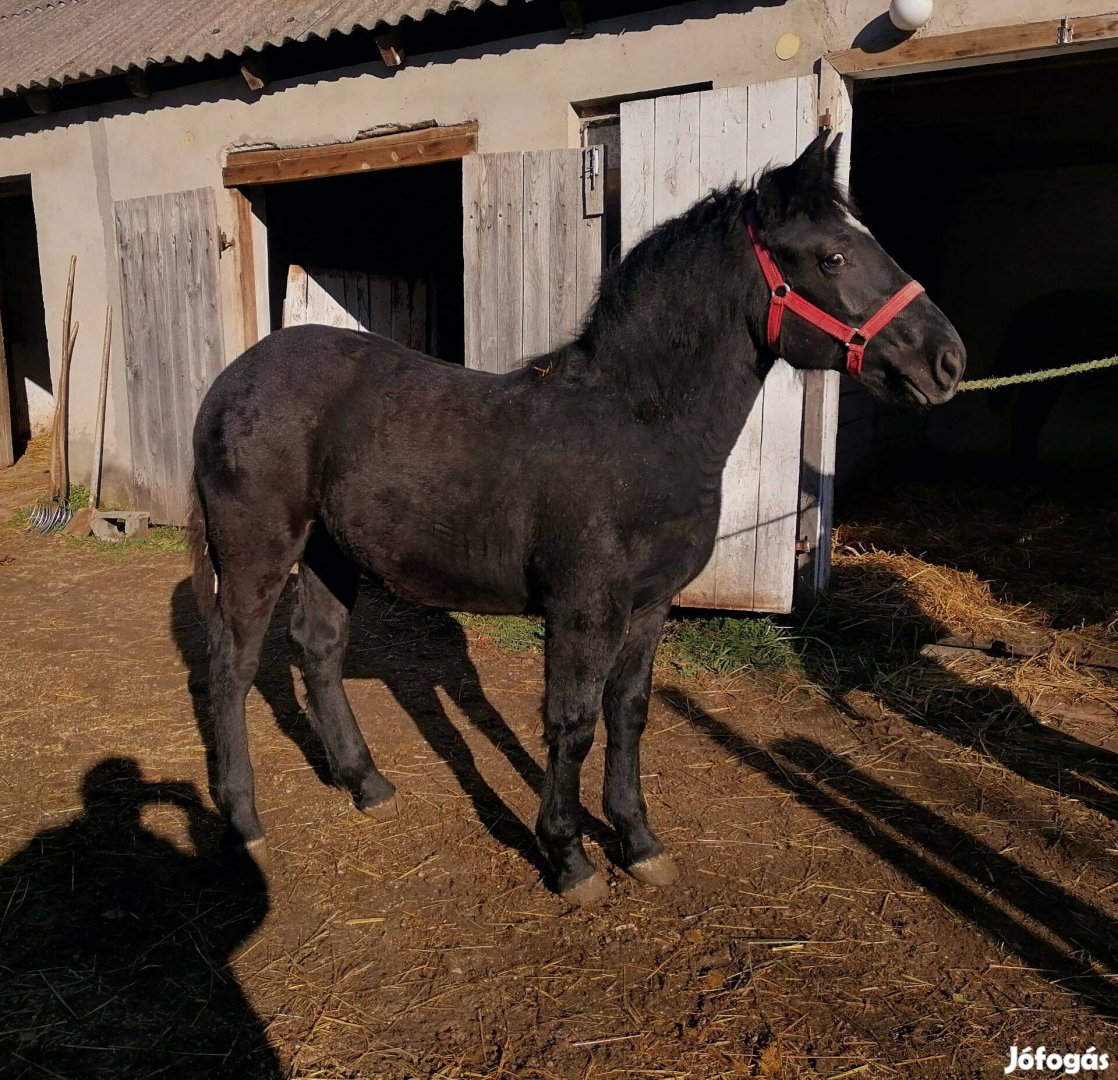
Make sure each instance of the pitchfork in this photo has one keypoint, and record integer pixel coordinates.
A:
(54, 513)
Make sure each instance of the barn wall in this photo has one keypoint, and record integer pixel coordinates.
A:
(82, 161)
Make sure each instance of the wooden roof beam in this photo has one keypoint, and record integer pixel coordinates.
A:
(396, 151)
(989, 45)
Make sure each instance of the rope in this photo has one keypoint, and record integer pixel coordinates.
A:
(1039, 376)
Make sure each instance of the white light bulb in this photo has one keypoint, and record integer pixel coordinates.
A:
(910, 14)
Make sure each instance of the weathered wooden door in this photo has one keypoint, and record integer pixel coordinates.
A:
(674, 149)
(533, 253)
(173, 343)
(394, 307)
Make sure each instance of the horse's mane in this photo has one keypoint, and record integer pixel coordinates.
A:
(714, 215)
(675, 245)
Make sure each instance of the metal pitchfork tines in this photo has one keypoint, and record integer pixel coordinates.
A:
(49, 515)
(55, 512)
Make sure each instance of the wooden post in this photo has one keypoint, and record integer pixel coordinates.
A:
(821, 395)
(99, 429)
(7, 441)
(245, 258)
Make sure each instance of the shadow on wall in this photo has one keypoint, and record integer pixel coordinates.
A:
(115, 943)
(415, 651)
(1071, 942)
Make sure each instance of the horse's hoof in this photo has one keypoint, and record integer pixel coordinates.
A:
(589, 891)
(385, 810)
(259, 852)
(659, 870)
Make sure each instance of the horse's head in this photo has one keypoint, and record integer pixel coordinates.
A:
(827, 257)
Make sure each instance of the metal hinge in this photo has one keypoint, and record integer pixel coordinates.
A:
(593, 181)
(1066, 33)
(804, 546)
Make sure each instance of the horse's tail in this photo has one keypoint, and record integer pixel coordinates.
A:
(203, 575)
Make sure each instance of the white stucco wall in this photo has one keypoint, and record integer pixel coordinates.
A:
(519, 91)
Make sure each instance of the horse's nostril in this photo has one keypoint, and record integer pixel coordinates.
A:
(949, 367)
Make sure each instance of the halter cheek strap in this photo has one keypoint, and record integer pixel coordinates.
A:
(783, 296)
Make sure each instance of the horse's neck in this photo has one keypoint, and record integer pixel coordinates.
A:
(685, 363)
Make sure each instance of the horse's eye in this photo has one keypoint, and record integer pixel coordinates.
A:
(835, 261)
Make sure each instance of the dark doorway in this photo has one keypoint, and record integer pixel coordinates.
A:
(997, 187)
(398, 223)
(21, 314)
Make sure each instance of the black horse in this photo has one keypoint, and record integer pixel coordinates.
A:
(585, 486)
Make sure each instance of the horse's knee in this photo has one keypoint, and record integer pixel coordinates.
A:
(572, 743)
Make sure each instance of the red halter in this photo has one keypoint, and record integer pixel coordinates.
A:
(783, 296)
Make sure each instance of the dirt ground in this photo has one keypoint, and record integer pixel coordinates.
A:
(863, 895)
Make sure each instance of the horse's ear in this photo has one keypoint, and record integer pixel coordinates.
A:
(807, 186)
(833, 152)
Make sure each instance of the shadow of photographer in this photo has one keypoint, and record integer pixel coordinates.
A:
(115, 944)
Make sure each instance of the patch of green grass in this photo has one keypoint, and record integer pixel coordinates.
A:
(728, 644)
(160, 540)
(510, 633)
(79, 496)
(724, 645)
(20, 518)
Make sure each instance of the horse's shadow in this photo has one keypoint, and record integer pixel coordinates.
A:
(415, 652)
(115, 943)
(986, 719)
(1070, 940)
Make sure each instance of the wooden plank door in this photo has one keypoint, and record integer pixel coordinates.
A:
(394, 307)
(533, 253)
(674, 149)
(173, 342)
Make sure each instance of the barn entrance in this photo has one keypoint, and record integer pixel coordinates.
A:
(997, 186)
(380, 251)
(25, 382)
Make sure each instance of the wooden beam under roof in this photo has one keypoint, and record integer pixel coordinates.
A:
(393, 151)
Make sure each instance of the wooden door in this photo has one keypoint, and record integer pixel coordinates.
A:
(533, 253)
(173, 342)
(394, 307)
(675, 149)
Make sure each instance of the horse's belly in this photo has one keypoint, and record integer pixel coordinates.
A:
(442, 588)
(458, 571)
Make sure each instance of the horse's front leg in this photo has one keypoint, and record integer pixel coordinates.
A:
(581, 649)
(625, 704)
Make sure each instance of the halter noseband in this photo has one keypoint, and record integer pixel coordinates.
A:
(784, 296)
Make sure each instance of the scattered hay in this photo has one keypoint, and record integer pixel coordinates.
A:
(976, 562)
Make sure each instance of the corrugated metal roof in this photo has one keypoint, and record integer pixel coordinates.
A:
(52, 42)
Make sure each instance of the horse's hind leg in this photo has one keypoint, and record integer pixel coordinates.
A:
(248, 595)
(325, 595)
(625, 704)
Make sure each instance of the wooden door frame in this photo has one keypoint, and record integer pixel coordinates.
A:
(974, 48)
(246, 170)
(838, 72)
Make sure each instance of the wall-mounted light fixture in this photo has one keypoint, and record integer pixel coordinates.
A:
(910, 14)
